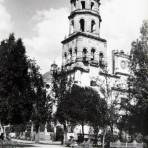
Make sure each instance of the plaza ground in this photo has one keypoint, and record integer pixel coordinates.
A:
(42, 144)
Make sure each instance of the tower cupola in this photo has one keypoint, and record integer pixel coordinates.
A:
(85, 16)
(83, 48)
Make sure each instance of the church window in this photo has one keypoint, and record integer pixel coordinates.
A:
(83, 4)
(72, 26)
(82, 23)
(93, 26)
(65, 55)
(101, 55)
(76, 51)
(74, 4)
(92, 5)
(92, 54)
(93, 83)
(101, 62)
(84, 52)
(70, 52)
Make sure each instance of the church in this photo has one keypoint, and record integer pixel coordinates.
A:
(85, 55)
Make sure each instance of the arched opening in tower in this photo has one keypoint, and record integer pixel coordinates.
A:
(83, 4)
(76, 51)
(82, 24)
(65, 55)
(74, 4)
(92, 5)
(70, 52)
(101, 61)
(92, 54)
(93, 26)
(72, 26)
(84, 53)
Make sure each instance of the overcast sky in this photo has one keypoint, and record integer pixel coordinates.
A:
(43, 24)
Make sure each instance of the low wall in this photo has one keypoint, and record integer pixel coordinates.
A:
(119, 144)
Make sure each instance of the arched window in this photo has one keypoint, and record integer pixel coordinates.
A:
(65, 55)
(84, 52)
(74, 4)
(101, 55)
(76, 51)
(83, 4)
(93, 26)
(101, 61)
(70, 52)
(92, 5)
(82, 25)
(72, 26)
(92, 54)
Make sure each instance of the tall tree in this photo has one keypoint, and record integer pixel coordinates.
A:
(138, 82)
(41, 111)
(22, 94)
(83, 105)
(15, 105)
(61, 87)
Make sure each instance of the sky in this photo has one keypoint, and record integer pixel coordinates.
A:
(43, 24)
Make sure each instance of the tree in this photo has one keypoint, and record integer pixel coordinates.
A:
(81, 106)
(108, 85)
(15, 104)
(138, 82)
(22, 94)
(41, 111)
(61, 87)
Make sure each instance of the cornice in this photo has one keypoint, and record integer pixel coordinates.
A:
(109, 75)
(70, 38)
(85, 11)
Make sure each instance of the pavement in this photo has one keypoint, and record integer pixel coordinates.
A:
(42, 144)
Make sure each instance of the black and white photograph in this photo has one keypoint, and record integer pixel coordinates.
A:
(74, 73)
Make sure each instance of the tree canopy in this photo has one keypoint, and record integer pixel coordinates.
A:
(21, 85)
(83, 105)
(14, 82)
(138, 119)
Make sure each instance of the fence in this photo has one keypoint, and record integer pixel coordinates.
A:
(126, 145)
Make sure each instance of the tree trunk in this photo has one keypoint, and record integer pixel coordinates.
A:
(112, 130)
(37, 135)
(83, 130)
(65, 134)
(32, 133)
(103, 141)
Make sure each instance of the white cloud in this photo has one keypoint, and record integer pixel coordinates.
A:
(5, 21)
(121, 24)
(50, 29)
(122, 20)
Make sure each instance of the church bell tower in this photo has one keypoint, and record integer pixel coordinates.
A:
(84, 51)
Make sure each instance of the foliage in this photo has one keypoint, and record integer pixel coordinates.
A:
(41, 112)
(83, 105)
(14, 82)
(138, 83)
(60, 86)
(22, 94)
(105, 89)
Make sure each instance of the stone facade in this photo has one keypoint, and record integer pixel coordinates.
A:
(84, 52)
